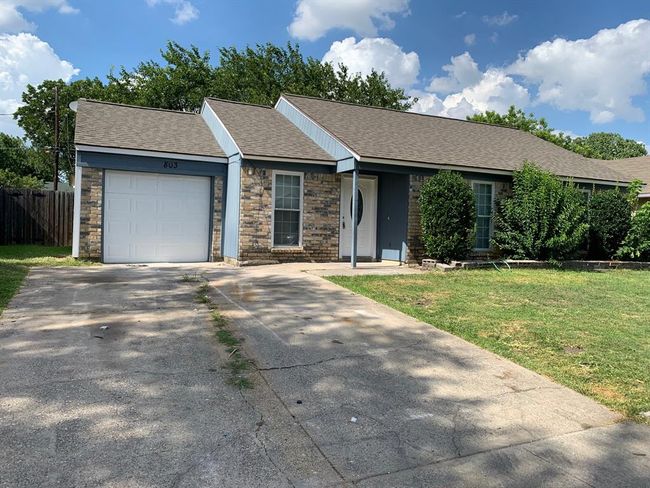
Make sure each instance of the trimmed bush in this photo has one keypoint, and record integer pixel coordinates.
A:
(447, 212)
(636, 245)
(544, 218)
(610, 218)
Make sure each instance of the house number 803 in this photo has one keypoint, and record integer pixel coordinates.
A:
(170, 165)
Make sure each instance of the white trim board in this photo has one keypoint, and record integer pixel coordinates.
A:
(289, 160)
(474, 169)
(345, 146)
(232, 139)
(155, 154)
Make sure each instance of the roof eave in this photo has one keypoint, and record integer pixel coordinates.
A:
(145, 152)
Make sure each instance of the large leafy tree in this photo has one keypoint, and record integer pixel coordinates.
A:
(36, 117)
(609, 145)
(21, 166)
(186, 75)
(598, 145)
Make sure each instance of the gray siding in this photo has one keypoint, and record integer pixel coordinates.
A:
(312, 130)
(231, 215)
(218, 131)
(149, 164)
(392, 216)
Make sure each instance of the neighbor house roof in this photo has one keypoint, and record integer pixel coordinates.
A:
(391, 135)
(262, 132)
(633, 168)
(131, 127)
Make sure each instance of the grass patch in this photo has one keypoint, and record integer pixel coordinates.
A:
(31, 255)
(11, 277)
(588, 331)
(237, 364)
(15, 259)
(202, 294)
(191, 278)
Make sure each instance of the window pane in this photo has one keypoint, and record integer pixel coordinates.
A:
(287, 192)
(359, 207)
(483, 197)
(286, 228)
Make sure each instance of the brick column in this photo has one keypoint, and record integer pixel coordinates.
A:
(414, 246)
(92, 199)
(217, 219)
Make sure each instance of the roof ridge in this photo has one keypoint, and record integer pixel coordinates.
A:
(92, 100)
(238, 102)
(401, 111)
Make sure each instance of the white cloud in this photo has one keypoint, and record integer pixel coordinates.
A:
(13, 21)
(461, 73)
(25, 59)
(469, 39)
(184, 11)
(600, 75)
(468, 90)
(569, 133)
(314, 18)
(500, 20)
(460, 15)
(401, 68)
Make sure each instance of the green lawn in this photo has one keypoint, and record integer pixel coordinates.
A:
(14, 261)
(589, 331)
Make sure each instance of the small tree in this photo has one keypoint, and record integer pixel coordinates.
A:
(448, 213)
(610, 218)
(636, 245)
(544, 218)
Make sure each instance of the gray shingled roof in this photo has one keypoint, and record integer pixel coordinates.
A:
(261, 131)
(385, 134)
(633, 169)
(147, 129)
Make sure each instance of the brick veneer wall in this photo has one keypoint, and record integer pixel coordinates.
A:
(415, 249)
(414, 246)
(90, 222)
(217, 219)
(320, 231)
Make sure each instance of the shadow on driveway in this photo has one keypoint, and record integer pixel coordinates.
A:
(390, 401)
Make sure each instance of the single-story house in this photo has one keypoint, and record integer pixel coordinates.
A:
(255, 184)
(635, 169)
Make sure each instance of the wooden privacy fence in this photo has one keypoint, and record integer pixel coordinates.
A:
(36, 217)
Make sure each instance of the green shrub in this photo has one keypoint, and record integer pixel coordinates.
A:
(447, 216)
(636, 245)
(544, 218)
(610, 217)
(9, 179)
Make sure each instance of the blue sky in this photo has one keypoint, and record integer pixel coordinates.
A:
(582, 64)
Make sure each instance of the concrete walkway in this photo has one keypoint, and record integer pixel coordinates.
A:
(390, 401)
(348, 392)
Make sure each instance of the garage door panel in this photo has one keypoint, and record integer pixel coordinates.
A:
(156, 217)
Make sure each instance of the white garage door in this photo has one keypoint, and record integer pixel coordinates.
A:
(151, 217)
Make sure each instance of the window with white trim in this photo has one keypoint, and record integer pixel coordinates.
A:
(484, 198)
(287, 209)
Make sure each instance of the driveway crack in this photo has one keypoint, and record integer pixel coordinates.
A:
(262, 444)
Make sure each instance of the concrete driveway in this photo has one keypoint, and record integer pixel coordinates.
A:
(390, 401)
(143, 403)
(348, 392)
